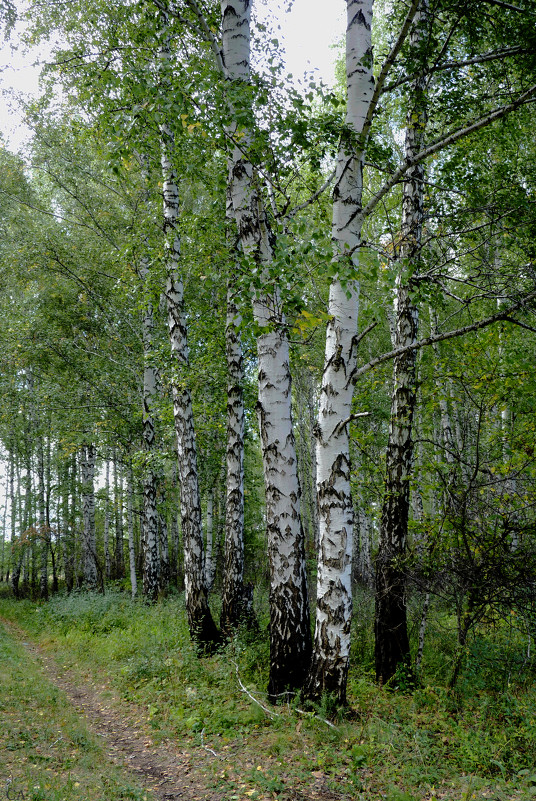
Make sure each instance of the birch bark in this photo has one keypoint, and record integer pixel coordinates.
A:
(290, 638)
(164, 552)
(41, 525)
(130, 525)
(209, 547)
(202, 627)
(118, 493)
(391, 634)
(151, 565)
(87, 468)
(107, 561)
(233, 570)
(329, 668)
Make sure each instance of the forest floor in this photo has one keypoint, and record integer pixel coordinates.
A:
(166, 772)
(109, 704)
(128, 760)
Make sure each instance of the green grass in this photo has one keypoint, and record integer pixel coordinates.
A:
(479, 742)
(46, 751)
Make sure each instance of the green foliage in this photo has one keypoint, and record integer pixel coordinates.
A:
(47, 753)
(431, 742)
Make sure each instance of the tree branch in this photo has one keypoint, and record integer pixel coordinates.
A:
(313, 197)
(208, 34)
(453, 65)
(388, 63)
(458, 332)
(444, 142)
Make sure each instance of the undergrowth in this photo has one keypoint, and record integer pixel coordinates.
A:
(478, 741)
(47, 752)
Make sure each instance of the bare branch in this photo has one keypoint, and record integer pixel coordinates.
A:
(244, 689)
(509, 6)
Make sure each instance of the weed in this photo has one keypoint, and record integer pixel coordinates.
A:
(397, 745)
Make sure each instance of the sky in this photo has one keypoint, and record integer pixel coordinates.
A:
(307, 34)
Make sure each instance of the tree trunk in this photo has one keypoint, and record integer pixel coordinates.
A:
(329, 668)
(164, 552)
(107, 560)
(209, 544)
(392, 648)
(70, 541)
(290, 637)
(119, 531)
(233, 569)
(151, 563)
(42, 528)
(130, 525)
(202, 627)
(87, 465)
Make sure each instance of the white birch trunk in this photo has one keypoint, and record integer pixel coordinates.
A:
(201, 624)
(391, 634)
(290, 639)
(422, 632)
(87, 467)
(118, 498)
(151, 564)
(447, 436)
(107, 560)
(130, 526)
(164, 553)
(41, 524)
(329, 666)
(233, 568)
(209, 547)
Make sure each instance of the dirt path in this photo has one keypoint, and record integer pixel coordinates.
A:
(170, 773)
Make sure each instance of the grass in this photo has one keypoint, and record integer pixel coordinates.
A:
(46, 751)
(479, 742)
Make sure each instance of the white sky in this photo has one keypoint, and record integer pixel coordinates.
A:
(307, 34)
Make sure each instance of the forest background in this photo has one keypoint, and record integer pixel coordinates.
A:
(269, 346)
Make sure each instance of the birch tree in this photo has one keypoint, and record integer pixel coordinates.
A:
(334, 595)
(233, 572)
(391, 635)
(87, 471)
(290, 639)
(202, 626)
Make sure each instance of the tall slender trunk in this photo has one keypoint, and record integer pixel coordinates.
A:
(392, 648)
(202, 627)
(363, 567)
(329, 668)
(233, 569)
(306, 418)
(290, 637)
(209, 544)
(107, 559)
(130, 526)
(151, 562)
(42, 528)
(87, 466)
(73, 520)
(119, 530)
(164, 552)
(4, 525)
